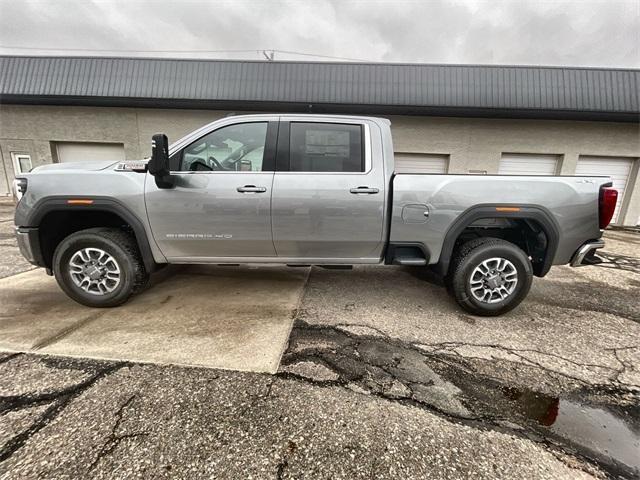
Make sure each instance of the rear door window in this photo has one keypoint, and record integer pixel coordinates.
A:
(326, 147)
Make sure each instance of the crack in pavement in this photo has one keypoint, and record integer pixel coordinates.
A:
(446, 383)
(257, 397)
(59, 400)
(624, 365)
(454, 347)
(116, 438)
(283, 464)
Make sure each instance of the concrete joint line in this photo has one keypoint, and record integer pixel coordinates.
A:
(66, 332)
(294, 316)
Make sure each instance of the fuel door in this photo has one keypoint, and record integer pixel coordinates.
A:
(415, 213)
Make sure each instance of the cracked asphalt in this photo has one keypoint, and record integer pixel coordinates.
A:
(383, 377)
(123, 421)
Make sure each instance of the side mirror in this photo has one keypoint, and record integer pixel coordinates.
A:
(158, 165)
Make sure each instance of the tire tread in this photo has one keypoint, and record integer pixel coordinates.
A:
(457, 283)
(123, 240)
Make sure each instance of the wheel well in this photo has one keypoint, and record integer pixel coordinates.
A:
(59, 224)
(528, 234)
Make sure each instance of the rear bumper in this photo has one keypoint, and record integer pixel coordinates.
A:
(29, 245)
(585, 255)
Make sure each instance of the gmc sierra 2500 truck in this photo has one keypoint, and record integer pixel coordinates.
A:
(302, 190)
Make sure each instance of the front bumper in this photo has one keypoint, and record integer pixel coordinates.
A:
(585, 255)
(29, 245)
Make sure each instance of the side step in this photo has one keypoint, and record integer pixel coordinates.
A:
(409, 254)
(410, 261)
(328, 267)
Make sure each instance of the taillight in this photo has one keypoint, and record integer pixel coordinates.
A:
(607, 205)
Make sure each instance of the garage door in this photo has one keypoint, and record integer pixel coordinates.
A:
(83, 152)
(617, 168)
(528, 164)
(421, 163)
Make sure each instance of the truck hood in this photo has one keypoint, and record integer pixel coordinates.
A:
(83, 166)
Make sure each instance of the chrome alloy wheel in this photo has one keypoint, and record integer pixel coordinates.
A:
(94, 271)
(493, 280)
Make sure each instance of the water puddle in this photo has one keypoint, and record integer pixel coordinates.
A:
(600, 433)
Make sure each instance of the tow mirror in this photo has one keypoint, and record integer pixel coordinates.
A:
(159, 163)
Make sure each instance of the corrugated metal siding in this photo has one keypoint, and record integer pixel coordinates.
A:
(500, 87)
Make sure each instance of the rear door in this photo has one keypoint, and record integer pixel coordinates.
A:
(328, 196)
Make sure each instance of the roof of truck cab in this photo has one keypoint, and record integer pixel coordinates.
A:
(308, 115)
(325, 87)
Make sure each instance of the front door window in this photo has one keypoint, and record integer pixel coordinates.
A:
(235, 148)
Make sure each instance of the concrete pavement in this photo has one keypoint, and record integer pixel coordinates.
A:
(233, 318)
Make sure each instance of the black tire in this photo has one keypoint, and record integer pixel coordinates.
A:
(121, 246)
(469, 256)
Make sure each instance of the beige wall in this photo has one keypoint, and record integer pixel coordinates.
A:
(471, 143)
(475, 143)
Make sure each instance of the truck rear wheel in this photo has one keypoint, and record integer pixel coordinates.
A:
(99, 267)
(490, 276)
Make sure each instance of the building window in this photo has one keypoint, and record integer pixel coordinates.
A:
(21, 162)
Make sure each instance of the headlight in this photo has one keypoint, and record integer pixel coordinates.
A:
(19, 188)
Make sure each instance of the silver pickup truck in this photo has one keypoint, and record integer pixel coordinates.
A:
(302, 190)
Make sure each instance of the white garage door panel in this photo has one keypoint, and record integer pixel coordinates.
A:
(87, 152)
(616, 168)
(528, 164)
(421, 163)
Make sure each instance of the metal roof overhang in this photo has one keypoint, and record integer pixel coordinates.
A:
(303, 107)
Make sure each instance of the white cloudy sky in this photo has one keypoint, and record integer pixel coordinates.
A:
(536, 32)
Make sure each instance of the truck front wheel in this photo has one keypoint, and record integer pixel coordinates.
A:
(490, 276)
(99, 267)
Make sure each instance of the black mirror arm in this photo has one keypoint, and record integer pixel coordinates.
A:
(167, 181)
(158, 166)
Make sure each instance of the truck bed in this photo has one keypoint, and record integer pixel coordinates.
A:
(567, 202)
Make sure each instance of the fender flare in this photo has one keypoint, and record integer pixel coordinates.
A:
(526, 212)
(47, 205)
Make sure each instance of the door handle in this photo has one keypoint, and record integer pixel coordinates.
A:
(251, 189)
(365, 190)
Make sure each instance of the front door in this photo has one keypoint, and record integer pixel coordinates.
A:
(220, 206)
(328, 196)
